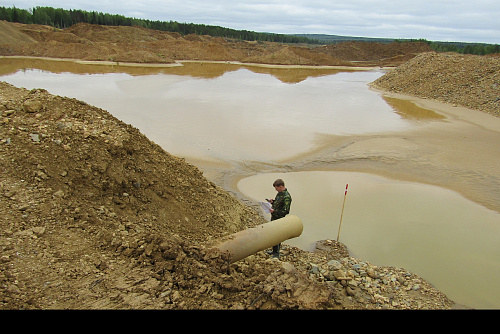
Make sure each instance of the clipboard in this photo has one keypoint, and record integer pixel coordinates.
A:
(266, 206)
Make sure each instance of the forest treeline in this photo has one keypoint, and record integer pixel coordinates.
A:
(466, 48)
(63, 18)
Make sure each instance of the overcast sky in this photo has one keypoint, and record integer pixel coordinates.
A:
(434, 20)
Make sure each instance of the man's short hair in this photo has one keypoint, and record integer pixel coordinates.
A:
(278, 182)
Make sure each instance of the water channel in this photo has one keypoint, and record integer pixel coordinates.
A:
(233, 114)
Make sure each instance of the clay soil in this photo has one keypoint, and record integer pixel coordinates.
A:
(139, 45)
(96, 216)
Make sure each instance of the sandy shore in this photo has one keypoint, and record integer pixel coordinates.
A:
(181, 62)
(460, 153)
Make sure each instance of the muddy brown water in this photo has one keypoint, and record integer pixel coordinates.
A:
(250, 110)
(241, 124)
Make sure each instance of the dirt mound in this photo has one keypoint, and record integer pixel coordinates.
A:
(140, 45)
(377, 54)
(292, 55)
(371, 51)
(465, 80)
(95, 216)
(10, 34)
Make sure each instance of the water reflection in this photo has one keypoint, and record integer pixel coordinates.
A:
(206, 70)
(409, 110)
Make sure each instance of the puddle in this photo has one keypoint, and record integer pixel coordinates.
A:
(436, 233)
(409, 110)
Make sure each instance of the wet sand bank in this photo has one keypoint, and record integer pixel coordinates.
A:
(432, 231)
(459, 152)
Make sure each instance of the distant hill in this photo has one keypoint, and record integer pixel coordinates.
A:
(332, 39)
(438, 46)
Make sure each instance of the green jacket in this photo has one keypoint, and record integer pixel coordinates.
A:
(281, 205)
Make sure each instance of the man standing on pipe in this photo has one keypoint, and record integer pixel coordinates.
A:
(280, 207)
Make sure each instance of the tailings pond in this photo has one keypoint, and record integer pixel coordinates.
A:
(247, 120)
(221, 111)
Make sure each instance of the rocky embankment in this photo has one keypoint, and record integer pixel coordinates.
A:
(466, 80)
(95, 216)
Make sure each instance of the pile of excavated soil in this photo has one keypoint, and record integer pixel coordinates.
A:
(10, 34)
(465, 80)
(93, 215)
(378, 54)
(140, 45)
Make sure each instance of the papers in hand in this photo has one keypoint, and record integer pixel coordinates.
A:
(266, 206)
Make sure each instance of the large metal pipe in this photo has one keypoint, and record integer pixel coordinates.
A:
(255, 239)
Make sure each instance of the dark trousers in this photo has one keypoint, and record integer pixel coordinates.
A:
(276, 248)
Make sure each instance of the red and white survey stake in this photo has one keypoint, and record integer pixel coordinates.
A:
(342, 214)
